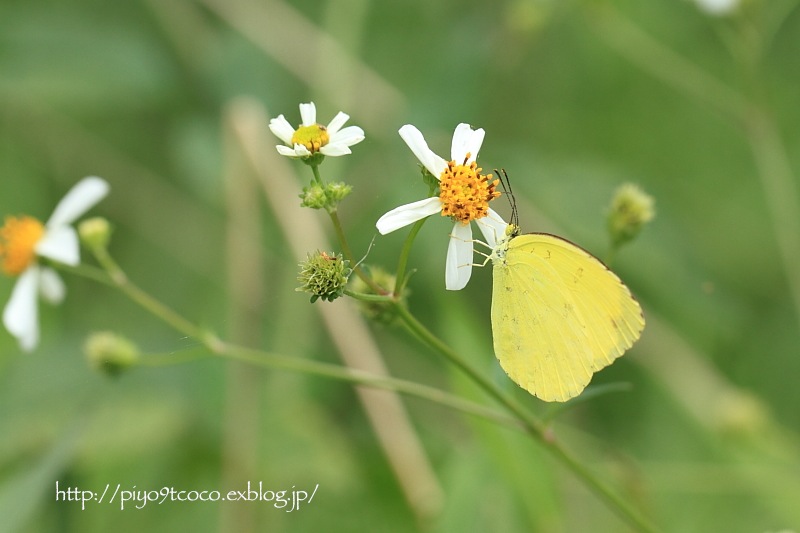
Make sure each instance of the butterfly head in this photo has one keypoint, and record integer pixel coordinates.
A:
(501, 248)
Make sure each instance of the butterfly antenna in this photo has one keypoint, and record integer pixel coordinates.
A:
(505, 181)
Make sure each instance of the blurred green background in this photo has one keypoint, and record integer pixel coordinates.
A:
(576, 98)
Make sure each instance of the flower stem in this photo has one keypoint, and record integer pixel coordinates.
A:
(369, 297)
(532, 425)
(404, 253)
(121, 281)
(348, 254)
(317, 177)
(337, 226)
(114, 276)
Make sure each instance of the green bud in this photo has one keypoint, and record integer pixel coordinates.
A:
(631, 208)
(95, 232)
(323, 276)
(328, 196)
(314, 196)
(110, 353)
(382, 312)
(336, 192)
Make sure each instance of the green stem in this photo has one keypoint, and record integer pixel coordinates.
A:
(277, 361)
(317, 177)
(121, 281)
(369, 297)
(337, 226)
(404, 253)
(114, 276)
(531, 424)
(348, 254)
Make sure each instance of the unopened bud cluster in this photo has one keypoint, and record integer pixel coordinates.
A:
(324, 196)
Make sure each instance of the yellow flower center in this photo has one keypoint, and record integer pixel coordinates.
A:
(18, 238)
(312, 137)
(465, 193)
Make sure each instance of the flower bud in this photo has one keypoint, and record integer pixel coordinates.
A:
(631, 208)
(336, 192)
(328, 196)
(323, 276)
(95, 232)
(314, 196)
(109, 352)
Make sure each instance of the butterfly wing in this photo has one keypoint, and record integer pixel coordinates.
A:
(558, 315)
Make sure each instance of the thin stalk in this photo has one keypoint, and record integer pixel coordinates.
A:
(340, 235)
(369, 297)
(121, 281)
(357, 377)
(404, 253)
(531, 424)
(317, 177)
(337, 226)
(115, 277)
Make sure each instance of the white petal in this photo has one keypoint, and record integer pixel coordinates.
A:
(458, 267)
(466, 141)
(21, 314)
(82, 197)
(493, 227)
(308, 112)
(407, 214)
(60, 244)
(414, 139)
(337, 123)
(282, 129)
(335, 150)
(285, 150)
(349, 136)
(51, 287)
(458, 147)
(301, 151)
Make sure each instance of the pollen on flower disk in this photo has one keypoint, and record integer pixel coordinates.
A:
(18, 238)
(313, 137)
(465, 193)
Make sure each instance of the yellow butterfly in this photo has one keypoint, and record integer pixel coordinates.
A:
(558, 314)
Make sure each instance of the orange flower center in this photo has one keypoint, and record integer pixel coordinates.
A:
(465, 193)
(18, 238)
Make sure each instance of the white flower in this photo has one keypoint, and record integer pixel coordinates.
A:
(310, 137)
(455, 177)
(24, 239)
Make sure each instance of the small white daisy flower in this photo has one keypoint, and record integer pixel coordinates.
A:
(23, 239)
(464, 196)
(310, 137)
